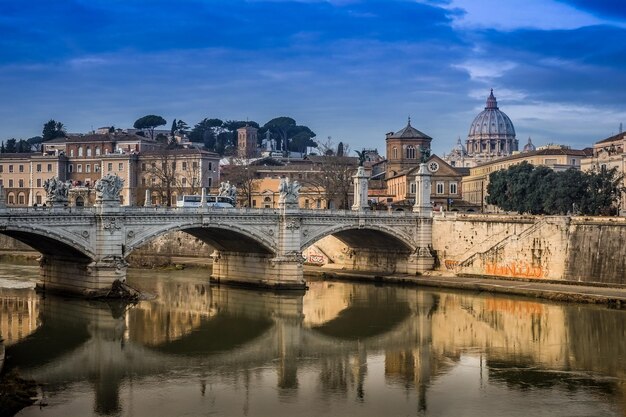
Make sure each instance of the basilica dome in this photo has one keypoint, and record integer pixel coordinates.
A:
(491, 132)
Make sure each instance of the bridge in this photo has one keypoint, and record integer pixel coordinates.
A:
(84, 249)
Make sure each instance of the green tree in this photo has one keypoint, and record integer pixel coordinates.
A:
(23, 146)
(206, 132)
(10, 145)
(52, 130)
(284, 129)
(149, 122)
(603, 192)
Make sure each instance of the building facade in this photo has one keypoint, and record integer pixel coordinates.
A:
(82, 160)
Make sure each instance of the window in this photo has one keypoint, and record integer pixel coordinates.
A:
(10, 183)
(184, 165)
(174, 166)
(80, 151)
(97, 150)
(1, 168)
(49, 167)
(96, 167)
(88, 151)
(38, 182)
(194, 165)
(410, 152)
(440, 188)
(110, 166)
(21, 199)
(573, 161)
(210, 166)
(120, 166)
(79, 167)
(11, 198)
(184, 181)
(38, 168)
(394, 152)
(143, 181)
(20, 183)
(413, 188)
(71, 152)
(453, 188)
(88, 168)
(70, 168)
(143, 167)
(210, 181)
(10, 168)
(38, 199)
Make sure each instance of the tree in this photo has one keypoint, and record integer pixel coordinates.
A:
(52, 130)
(149, 122)
(23, 146)
(206, 132)
(243, 175)
(539, 190)
(35, 142)
(333, 180)
(162, 172)
(10, 146)
(285, 129)
(603, 192)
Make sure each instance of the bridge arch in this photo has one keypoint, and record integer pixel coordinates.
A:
(381, 236)
(51, 241)
(229, 237)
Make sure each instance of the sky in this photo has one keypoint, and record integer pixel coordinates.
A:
(351, 70)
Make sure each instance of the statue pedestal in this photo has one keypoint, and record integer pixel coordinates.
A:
(360, 190)
(110, 206)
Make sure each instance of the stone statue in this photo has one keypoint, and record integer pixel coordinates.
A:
(109, 187)
(289, 191)
(424, 154)
(361, 156)
(56, 190)
(228, 190)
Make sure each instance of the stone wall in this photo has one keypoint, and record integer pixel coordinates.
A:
(565, 248)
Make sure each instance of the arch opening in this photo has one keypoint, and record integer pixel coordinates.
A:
(47, 245)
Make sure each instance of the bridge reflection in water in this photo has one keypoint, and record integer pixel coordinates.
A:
(338, 349)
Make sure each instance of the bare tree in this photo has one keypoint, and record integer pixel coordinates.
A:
(162, 174)
(244, 176)
(333, 180)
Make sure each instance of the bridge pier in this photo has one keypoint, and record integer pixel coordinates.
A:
(69, 275)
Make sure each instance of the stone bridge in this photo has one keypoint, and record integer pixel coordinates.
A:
(84, 249)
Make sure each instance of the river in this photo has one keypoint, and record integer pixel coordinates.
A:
(340, 349)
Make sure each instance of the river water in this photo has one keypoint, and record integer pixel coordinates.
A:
(341, 349)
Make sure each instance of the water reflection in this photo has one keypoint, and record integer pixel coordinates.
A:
(339, 349)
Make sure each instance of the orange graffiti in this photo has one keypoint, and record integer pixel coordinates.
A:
(514, 269)
(451, 265)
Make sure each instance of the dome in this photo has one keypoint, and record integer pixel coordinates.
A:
(529, 146)
(491, 122)
(458, 149)
(491, 134)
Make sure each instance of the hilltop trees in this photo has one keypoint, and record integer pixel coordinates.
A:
(149, 122)
(525, 188)
(52, 130)
(285, 130)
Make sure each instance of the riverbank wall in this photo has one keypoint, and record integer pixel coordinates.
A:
(561, 248)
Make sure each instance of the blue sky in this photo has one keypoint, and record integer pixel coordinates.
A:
(349, 69)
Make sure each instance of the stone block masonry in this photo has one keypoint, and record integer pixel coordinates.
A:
(563, 248)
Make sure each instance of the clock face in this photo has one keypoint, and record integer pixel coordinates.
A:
(433, 166)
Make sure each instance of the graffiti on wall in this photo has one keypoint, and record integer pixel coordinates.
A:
(515, 269)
